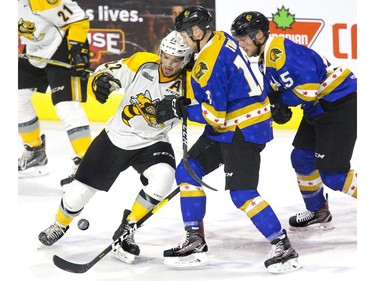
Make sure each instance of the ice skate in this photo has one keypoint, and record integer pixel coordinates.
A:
(33, 162)
(283, 257)
(52, 234)
(320, 219)
(77, 160)
(126, 249)
(190, 253)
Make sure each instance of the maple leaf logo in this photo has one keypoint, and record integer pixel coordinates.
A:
(283, 18)
(301, 31)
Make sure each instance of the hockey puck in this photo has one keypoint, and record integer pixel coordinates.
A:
(83, 224)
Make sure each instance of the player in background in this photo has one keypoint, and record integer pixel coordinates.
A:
(131, 138)
(54, 30)
(296, 75)
(237, 118)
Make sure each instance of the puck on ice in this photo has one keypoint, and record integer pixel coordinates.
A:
(83, 224)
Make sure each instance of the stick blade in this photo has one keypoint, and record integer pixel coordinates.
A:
(69, 266)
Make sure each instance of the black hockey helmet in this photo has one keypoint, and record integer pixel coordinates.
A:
(191, 16)
(248, 23)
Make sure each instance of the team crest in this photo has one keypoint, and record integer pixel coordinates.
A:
(275, 54)
(141, 105)
(52, 2)
(27, 29)
(200, 69)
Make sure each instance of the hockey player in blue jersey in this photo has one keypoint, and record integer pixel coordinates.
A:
(227, 98)
(295, 75)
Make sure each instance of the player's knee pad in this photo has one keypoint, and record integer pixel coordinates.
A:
(303, 160)
(182, 175)
(71, 114)
(160, 180)
(76, 197)
(240, 197)
(341, 181)
(26, 111)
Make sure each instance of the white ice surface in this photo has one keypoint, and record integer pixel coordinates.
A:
(236, 249)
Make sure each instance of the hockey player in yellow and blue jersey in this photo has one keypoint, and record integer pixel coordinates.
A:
(296, 75)
(237, 118)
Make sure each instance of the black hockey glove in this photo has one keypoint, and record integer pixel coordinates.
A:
(281, 113)
(80, 58)
(171, 107)
(103, 84)
(274, 97)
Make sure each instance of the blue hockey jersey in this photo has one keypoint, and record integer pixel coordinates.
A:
(303, 76)
(227, 94)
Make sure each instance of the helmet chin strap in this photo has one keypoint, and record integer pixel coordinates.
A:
(258, 48)
(259, 45)
(198, 41)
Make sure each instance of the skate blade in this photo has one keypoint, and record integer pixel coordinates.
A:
(194, 260)
(289, 265)
(314, 227)
(33, 172)
(123, 256)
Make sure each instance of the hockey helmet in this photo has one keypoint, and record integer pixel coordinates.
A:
(191, 16)
(248, 23)
(173, 45)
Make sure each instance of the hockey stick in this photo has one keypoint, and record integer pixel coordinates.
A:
(185, 156)
(82, 268)
(48, 61)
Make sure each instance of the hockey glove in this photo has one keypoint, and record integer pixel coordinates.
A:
(80, 59)
(171, 107)
(103, 84)
(280, 113)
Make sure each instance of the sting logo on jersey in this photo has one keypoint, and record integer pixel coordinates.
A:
(200, 69)
(275, 54)
(27, 29)
(141, 105)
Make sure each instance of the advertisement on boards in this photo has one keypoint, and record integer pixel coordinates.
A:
(328, 27)
(121, 28)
